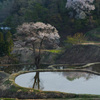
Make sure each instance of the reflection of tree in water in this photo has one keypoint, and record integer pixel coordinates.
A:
(76, 75)
(37, 83)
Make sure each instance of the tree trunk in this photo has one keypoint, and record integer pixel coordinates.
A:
(37, 58)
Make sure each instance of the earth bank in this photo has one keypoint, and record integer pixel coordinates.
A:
(80, 54)
(14, 91)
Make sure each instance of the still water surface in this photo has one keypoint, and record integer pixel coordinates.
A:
(70, 82)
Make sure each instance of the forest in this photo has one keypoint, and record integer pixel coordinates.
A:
(67, 20)
(54, 12)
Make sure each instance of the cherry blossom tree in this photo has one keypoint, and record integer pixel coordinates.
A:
(81, 7)
(36, 33)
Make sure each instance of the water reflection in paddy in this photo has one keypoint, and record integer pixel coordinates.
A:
(15, 69)
(71, 82)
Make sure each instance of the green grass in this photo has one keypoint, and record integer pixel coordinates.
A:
(54, 51)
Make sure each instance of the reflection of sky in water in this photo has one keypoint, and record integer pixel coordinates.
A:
(57, 81)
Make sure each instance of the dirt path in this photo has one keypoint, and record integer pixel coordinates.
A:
(90, 43)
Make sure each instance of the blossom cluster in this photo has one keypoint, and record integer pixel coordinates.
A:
(82, 7)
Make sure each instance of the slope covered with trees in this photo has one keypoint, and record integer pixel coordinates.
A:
(5, 9)
(48, 11)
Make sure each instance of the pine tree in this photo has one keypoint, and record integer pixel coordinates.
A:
(1, 37)
(9, 40)
(1, 44)
(1, 49)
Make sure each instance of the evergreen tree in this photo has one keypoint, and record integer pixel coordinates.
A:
(1, 37)
(6, 45)
(1, 49)
(1, 44)
(6, 49)
(9, 41)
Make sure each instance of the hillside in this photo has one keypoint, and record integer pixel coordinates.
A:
(80, 54)
(94, 35)
(5, 9)
(48, 11)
